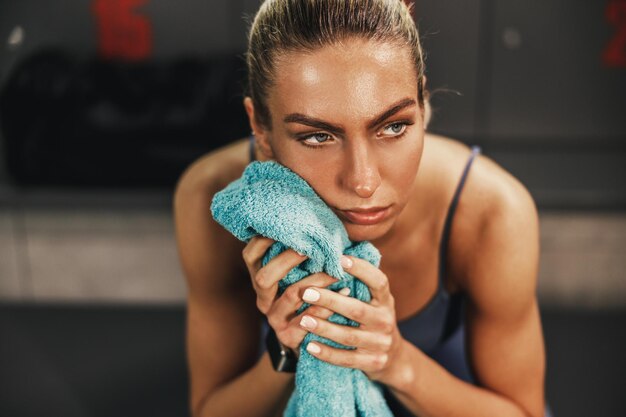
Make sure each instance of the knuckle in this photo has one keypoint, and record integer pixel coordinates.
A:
(357, 313)
(387, 324)
(245, 254)
(291, 294)
(379, 361)
(386, 343)
(381, 284)
(352, 339)
(387, 327)
(263, 279)
(349, 363)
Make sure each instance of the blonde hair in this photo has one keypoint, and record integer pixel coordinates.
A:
(282, 26)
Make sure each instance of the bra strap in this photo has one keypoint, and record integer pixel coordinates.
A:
(443, 249)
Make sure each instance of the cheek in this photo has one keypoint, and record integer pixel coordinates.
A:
(321, 175)
(401, 165)
(318, 167)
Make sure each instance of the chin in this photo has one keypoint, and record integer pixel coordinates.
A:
(359, 233)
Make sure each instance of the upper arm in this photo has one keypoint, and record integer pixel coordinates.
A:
(504, 335)
(222, 319)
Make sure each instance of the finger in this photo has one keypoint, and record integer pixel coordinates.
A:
(349, 358)
(357, 310)
(294, 333)
(266, 279)
(347, 335)
(285, 307)
(253, 252)
(371, 276)
(277, 268)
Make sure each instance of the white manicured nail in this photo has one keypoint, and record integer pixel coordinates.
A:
(308, 322)
(346, 262)
(313, 348)
(344, 291)
(310, 295)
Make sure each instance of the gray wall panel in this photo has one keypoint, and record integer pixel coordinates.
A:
(66, 23)
(194, 26)
(450, 35)
(548, 79)
(178, 27)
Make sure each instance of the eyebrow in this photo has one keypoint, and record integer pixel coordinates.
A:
(320, 124)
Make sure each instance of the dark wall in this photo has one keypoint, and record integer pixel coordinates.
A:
(531, 82)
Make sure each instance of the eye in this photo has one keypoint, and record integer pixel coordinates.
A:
(394, 129)
(316, 139)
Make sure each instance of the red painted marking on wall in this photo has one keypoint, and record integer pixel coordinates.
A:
(122, 33)
(615, 52)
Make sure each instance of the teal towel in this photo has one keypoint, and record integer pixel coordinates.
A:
(273, 201)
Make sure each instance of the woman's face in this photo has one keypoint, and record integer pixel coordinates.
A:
(346, 119)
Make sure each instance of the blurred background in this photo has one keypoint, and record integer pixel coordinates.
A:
(103, 103)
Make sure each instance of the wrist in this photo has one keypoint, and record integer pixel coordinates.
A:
(402, 373)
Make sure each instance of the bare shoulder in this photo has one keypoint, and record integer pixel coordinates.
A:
(495, 227)
(209, 255)
(215, 169)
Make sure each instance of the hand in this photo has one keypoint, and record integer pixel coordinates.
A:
(281, 311)
(377, 340)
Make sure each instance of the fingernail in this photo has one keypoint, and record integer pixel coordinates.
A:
(310, 295)
(313, 348)
(344, 291)
(346, 262)
(308, 322)
(301, 254)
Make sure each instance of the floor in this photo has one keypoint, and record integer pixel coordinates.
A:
(88, 361)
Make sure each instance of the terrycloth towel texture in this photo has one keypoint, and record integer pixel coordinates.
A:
(273, 201)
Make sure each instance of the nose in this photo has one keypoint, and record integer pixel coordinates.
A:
(361, 174)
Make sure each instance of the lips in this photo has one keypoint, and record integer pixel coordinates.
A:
(365, 216)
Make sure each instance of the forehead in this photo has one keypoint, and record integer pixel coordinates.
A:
(352, 80)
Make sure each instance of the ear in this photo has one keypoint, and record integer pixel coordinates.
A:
(260, 132)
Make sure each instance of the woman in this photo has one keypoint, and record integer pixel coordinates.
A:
(337, 94)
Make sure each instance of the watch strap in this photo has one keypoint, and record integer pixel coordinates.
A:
(283, 358)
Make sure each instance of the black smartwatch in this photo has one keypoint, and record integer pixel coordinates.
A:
(283, 358)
